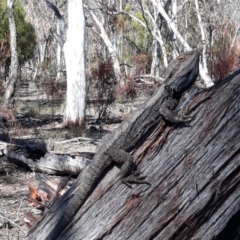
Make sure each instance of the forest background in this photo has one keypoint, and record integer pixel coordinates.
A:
(124, 42)
(122, 50)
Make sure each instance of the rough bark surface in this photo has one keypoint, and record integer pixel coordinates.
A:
(195, 174)
(39, 161)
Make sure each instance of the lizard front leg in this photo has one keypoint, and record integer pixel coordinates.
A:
(127, 173)
(169, 115)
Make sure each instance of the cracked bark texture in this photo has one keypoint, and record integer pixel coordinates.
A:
(194, 170)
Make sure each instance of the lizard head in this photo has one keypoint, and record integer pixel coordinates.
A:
(186, 70)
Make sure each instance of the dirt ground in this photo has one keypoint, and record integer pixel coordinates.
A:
(45, 131)
(15, 207)
(13, 204)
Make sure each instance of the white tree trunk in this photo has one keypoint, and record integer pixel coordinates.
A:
(14, 54)
(155, 59)
(203, 66)
(75, 65)
(158, 38)
(112, 50)
(58, 53)
(174, 17)
(155, 32)
(171, 24)
(163, 48)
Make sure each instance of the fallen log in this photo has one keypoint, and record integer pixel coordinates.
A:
(40, 161)
(194, 170)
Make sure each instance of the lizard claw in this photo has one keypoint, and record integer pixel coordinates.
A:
(186, 119)
(135, 178)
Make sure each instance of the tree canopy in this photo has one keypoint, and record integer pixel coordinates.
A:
(26, 37)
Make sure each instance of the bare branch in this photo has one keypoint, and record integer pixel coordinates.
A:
(57, 14)
(144, 18)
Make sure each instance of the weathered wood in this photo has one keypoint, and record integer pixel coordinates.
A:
(50, 186)
(195, 174)
(39, 161)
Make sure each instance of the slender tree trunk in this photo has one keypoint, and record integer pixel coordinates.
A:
(14, 54)
(112, 50)
(203, 67)
(75, 65)
(157, 39)
(174, 39)
(173, 27)
(171, 24)
(156, 32)
(58, 53)
(155, 59)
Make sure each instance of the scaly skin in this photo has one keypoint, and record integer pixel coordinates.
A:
(114, 147)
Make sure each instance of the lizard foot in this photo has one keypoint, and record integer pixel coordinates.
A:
(185, 119)
(134, 178)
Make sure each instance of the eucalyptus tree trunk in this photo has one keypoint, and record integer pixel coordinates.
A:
(75, 65)
(14, 54)
(155, 59)
(156, 32)
(157, 3)
(111, 48)
(58, 53)
(203, 67)
(174, 39)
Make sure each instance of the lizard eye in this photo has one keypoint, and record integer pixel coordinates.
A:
(181, 57)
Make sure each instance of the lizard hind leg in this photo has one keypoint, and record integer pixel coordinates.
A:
(128, 174)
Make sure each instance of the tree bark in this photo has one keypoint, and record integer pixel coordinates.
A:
(174, 39)
(48, 163)
(14, 54)
(157, 39)
(194, 170)
(75, 65)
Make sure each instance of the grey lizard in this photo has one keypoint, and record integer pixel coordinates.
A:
(115, 146)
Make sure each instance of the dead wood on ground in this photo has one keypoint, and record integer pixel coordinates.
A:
(40, 161)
